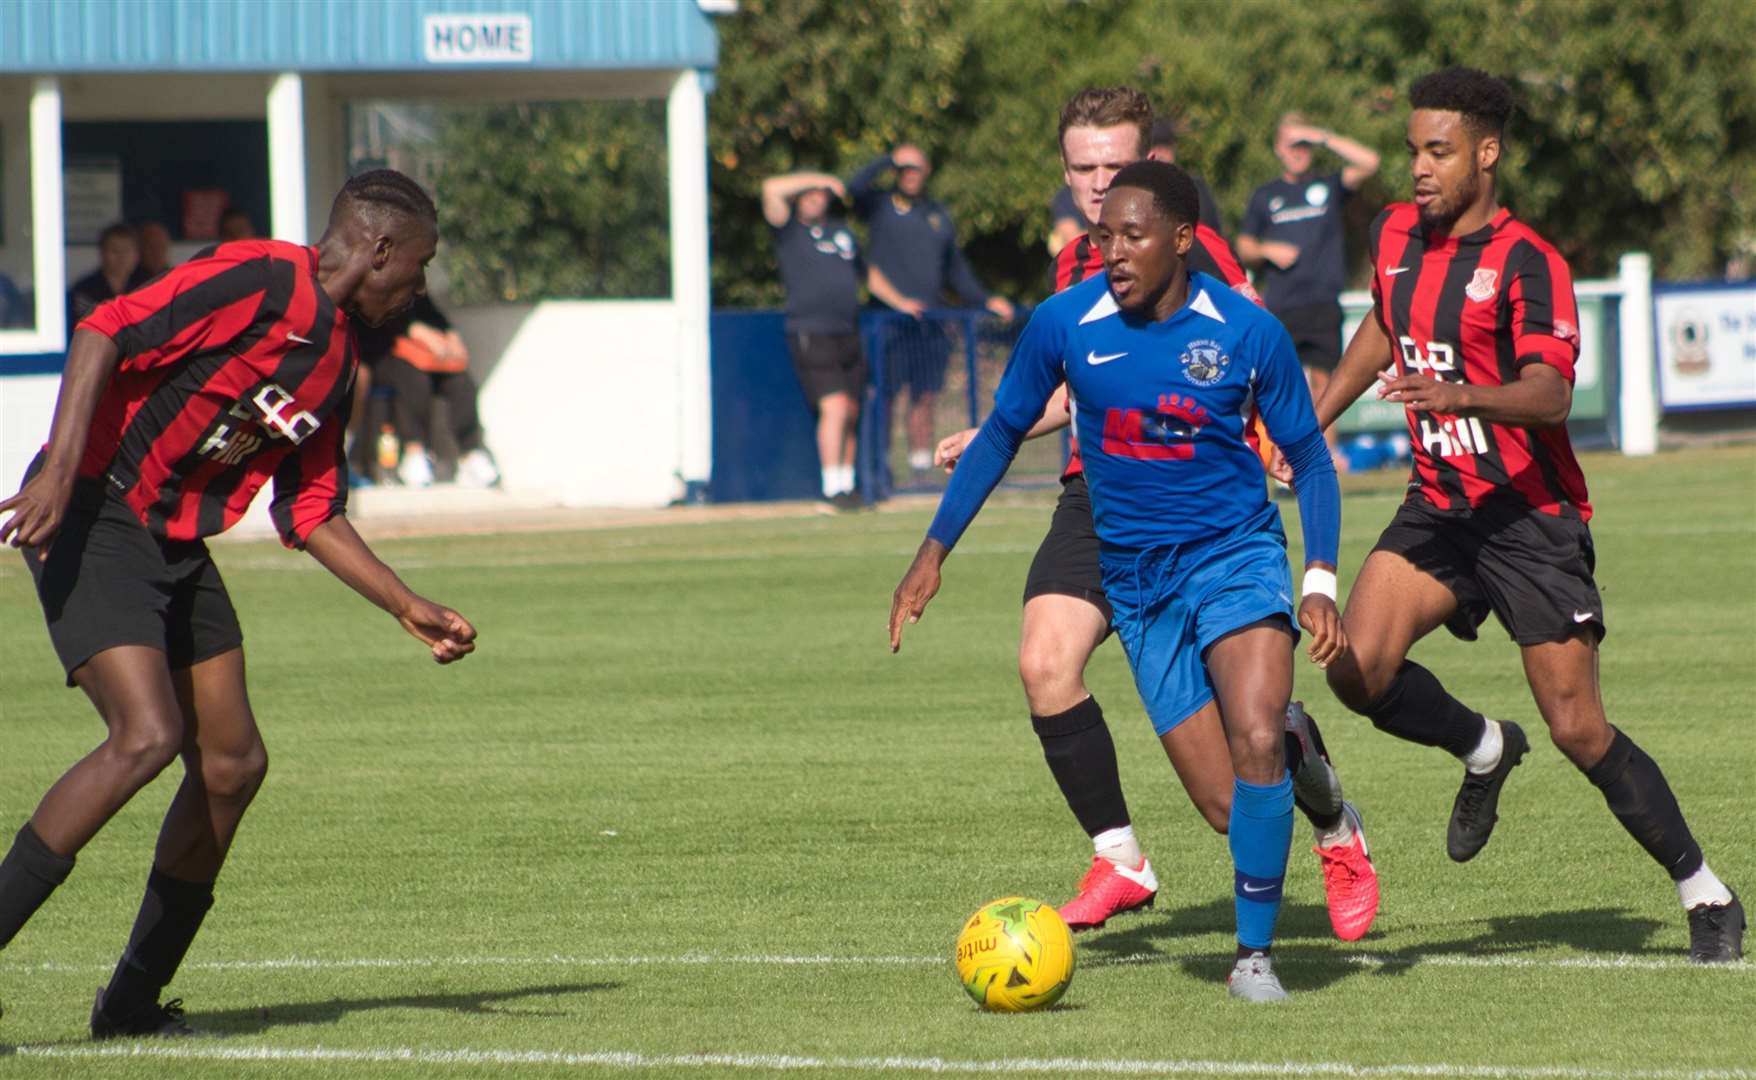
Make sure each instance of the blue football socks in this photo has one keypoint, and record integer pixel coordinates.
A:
(1260, 835)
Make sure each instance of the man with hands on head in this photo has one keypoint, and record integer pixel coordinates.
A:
(821, 267)
(1161, 365)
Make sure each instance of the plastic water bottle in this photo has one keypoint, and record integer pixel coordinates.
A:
(389, 449)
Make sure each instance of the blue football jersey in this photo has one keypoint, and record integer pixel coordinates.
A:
(1160, 408)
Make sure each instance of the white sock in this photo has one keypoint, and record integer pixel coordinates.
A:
(829, 487)
(1119, 846)
(1702, 887)
(1341, 834)
(1486, 755)
(844, 479)
(920, 459)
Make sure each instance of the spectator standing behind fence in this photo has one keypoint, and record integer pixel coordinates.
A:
(418, 355)
(914, 244)
(118, 258)
(821, 267)
(1292, 233)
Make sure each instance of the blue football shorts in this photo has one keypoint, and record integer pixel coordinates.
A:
(1172, 603)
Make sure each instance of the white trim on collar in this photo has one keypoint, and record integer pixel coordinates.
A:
(1103, 309)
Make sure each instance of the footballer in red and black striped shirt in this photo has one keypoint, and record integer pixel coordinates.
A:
(178, 403)
(1067, 613)
(1477, 309)
(1475, 318)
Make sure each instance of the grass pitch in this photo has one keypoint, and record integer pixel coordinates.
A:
(683, 814)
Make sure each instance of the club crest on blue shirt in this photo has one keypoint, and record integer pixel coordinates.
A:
(1205, 362)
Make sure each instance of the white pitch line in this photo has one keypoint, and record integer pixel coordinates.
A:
(1293, 957)
(613, 1059)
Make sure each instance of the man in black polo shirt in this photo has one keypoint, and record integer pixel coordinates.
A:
(1292, 235)
(914, 243)
(821, 267)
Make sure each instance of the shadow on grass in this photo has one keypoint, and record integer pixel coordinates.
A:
(1610, 931)
(1316, 960)
(485, 1003)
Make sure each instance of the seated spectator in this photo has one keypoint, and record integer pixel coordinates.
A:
(155, 251)
(235, 224)
(118, 258)
(418, 355)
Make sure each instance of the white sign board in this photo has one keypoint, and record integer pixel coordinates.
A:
(91, 199)
(477, 39)
(1706, 345)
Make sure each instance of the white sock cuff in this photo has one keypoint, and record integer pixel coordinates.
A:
(1486, 755)
(1703, 887)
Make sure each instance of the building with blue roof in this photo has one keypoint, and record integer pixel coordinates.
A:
(98, 96)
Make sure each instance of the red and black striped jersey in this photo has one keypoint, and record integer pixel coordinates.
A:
(1210, 254)
(1478, 309)
(235, 367)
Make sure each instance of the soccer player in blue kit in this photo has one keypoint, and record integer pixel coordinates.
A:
(1162, 366)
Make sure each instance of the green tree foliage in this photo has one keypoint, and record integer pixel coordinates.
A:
(553, 200)
(1636, 128)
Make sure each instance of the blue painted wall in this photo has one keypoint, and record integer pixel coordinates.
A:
(764, 438)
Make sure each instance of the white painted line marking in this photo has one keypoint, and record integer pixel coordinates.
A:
(1061, 1066)
(887, 1064)
(1293, 956)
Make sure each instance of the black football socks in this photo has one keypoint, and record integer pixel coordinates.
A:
(1642, 801)
(170, 914)
(1417, 708)
(1082, 756)
(28, 874)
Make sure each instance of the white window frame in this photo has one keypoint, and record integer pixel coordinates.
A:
(48, 253)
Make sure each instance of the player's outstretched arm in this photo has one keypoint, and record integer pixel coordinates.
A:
(916, 589)
(343, 553)
(1055, 417)
(39, 506)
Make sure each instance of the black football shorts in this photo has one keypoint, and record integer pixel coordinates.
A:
(109, 582)
(1316, 334)
(1532, 570)
(1066, 563)
(828, 364)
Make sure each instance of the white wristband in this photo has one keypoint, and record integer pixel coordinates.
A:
(1319, 581)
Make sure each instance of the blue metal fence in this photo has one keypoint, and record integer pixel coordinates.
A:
(764, 447)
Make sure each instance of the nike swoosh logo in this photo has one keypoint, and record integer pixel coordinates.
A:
(1143, 877)
(1094, 359)
(1264, 888)
(1393, 271)
(300, 340)
(1583, 616)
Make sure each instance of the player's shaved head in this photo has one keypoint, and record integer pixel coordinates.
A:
(1172, 191)
(1484, 101)
(1108, 106)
